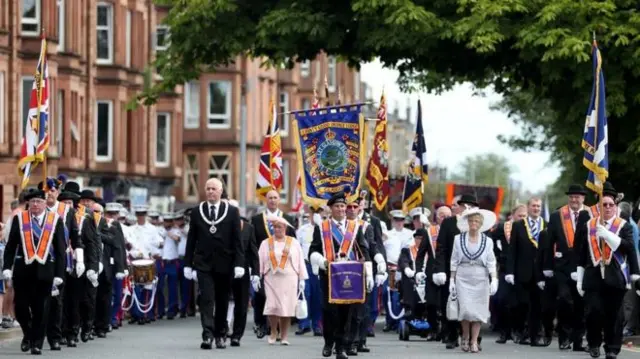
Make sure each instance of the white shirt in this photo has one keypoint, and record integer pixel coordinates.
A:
(573, 218)
(396, 240)
(148, 238)
(305, 236)
(182, 246)
(170, 248)
(214, 207)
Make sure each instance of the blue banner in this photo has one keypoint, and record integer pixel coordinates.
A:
(331, 153)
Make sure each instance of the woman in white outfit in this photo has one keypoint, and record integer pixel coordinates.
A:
(472, 264)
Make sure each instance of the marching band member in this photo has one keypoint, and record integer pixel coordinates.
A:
(156, 220)
(312, 289)
(419, 217)
(186, 285)
(34, 259)
(607, 268)
(73, 245)
(330, 244)
(424, 272)
(407, 266)
(560, 260)
(264, 230)
(118, 284)
(171, 267)
(397, 238)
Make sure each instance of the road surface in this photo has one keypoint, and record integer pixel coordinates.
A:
(180, 338)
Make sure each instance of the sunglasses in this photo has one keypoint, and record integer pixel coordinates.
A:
(608, 205)
(352, 206)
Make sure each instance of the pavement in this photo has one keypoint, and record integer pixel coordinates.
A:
(180, 338)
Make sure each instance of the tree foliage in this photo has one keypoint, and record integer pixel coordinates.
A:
(535, 50)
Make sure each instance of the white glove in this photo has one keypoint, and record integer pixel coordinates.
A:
(439, 278)
(452, 286)
(238, 272)
(120, 276)
(100, 268)
(368, 271)
(547, 273)
(574, 276)
(541, 285)
(494, 286)
(420, 276)
(380, 279)
(317, 219)
(94, 283)
(634, 278)
(255, 283)
(57, 281)
(579, 288)
(381, 264)
(126, 272)
(91, 275)
(188, 273)
(613, 241)
(509, 278)
(409, 272)
(301, 285)
(370, 283)
(55, 292)
(80, 269)
(317, 262)
(7, 274)
(78, 254)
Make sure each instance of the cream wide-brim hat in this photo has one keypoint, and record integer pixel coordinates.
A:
(278, 219)
(489, 219)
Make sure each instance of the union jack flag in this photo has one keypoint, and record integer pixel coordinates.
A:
(35, 140)
(270, 172)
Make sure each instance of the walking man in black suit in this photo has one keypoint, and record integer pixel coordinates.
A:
(34, 259)
(214, 255)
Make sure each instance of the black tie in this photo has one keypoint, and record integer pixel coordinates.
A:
(212, 213)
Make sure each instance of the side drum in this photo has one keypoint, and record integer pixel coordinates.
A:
(143, 271)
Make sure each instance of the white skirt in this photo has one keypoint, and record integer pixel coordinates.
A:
(473, 289)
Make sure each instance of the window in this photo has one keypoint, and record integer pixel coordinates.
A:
(162, 37)
(61, 24)
(284, 192)
(105, 33)
(30, 17)
(331, 76)
(127, 40)
(60, 121)
(306, 104)
(356, 85)
(104, 131)
(192, 104)
(191, 175)
(283, 116)
(220, 167)
(163, 139)
(27, 85)
(2, 106)
(305, 68)
(219, 104)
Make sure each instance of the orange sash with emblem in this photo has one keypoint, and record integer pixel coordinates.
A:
(507, 230)
(594, 242)
(275, 266)
(40, 252)
(327, 239)
(96, 218)
(567, 225)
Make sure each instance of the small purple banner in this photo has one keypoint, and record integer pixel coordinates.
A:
(346, 282)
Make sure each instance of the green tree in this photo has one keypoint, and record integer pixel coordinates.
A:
(538, 47)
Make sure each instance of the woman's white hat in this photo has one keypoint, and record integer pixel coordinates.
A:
(489, 219)
(278, 219)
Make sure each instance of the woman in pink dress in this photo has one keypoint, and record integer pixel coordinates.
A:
(283, 269)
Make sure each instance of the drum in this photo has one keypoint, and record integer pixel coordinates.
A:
(392, 269)
(143, 271)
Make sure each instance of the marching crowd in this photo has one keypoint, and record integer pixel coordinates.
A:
(75, 268)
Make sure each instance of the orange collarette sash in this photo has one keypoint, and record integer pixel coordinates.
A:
(507, 230)
(594, 241)
(41, 252)
(80, 212)
(275, 267)
(567, 225)
(433, 234)
(347, 240)
(62, 210)
(96, 218)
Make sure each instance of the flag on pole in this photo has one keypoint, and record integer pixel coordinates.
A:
(595, 141)
(35, 140)
(378, 172)
(298, 202)
(418, 173)
(270, 172)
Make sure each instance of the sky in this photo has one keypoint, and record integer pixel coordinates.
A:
(458, 124)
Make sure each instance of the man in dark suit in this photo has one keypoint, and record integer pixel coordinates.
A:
(35, 250)
(560, 260)
(240, 287)
(214, 255)
(607, 268)
(525, 274)
(264, 230)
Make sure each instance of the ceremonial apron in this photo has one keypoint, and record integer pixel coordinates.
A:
(346, 279)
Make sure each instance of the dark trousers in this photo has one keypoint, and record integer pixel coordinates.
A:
(54, 322)
(31, 303)
(603, 314)
(528, 309)
(240, 288)
(214, 287)
(358, 324)
(549, 306)
(73, 293)
(570, 310)
(259, 301)
(336, 320)
(87, 305)
(104, 296)
(505, 302)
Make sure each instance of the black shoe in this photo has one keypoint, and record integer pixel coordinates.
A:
(142, 322)
(55, 346)
(220, 343)
(36, 351)
(25, 345)
(317, 333)
(578, 347)
(611, 355)
(101, 335)
(547, 341)
(452, 345)
(342, 355)
(565, 345)
(91, 337)
(363, 349)
(353, 351)
(503, 339)
(303, 331)
(133, 321)
(326, 351)
(71, 343)
(260, 332)
(84, 336)
(537, 342)
(183, 315)
(432, 337)
(206, 344)
(524, 341)
(235, 342)
(171, 317)
(63, 341)
(387, 328)
(594, 352)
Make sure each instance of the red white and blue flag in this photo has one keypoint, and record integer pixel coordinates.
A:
(270, 172)
(35, 140)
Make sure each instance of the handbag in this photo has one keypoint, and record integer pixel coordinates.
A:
(301, 307)
(452, 307)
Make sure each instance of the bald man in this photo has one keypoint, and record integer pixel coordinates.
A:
(442, 213)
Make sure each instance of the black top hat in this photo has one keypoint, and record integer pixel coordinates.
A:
(72, 187)
(576, 189)
(468, 198)
(339, 197)
(88, 194)
(609, 190)
(34, 193)
(101, 202)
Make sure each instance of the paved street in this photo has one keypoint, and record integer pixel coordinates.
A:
(180, 338)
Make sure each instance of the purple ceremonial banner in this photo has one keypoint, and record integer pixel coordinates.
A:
(346, 282)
